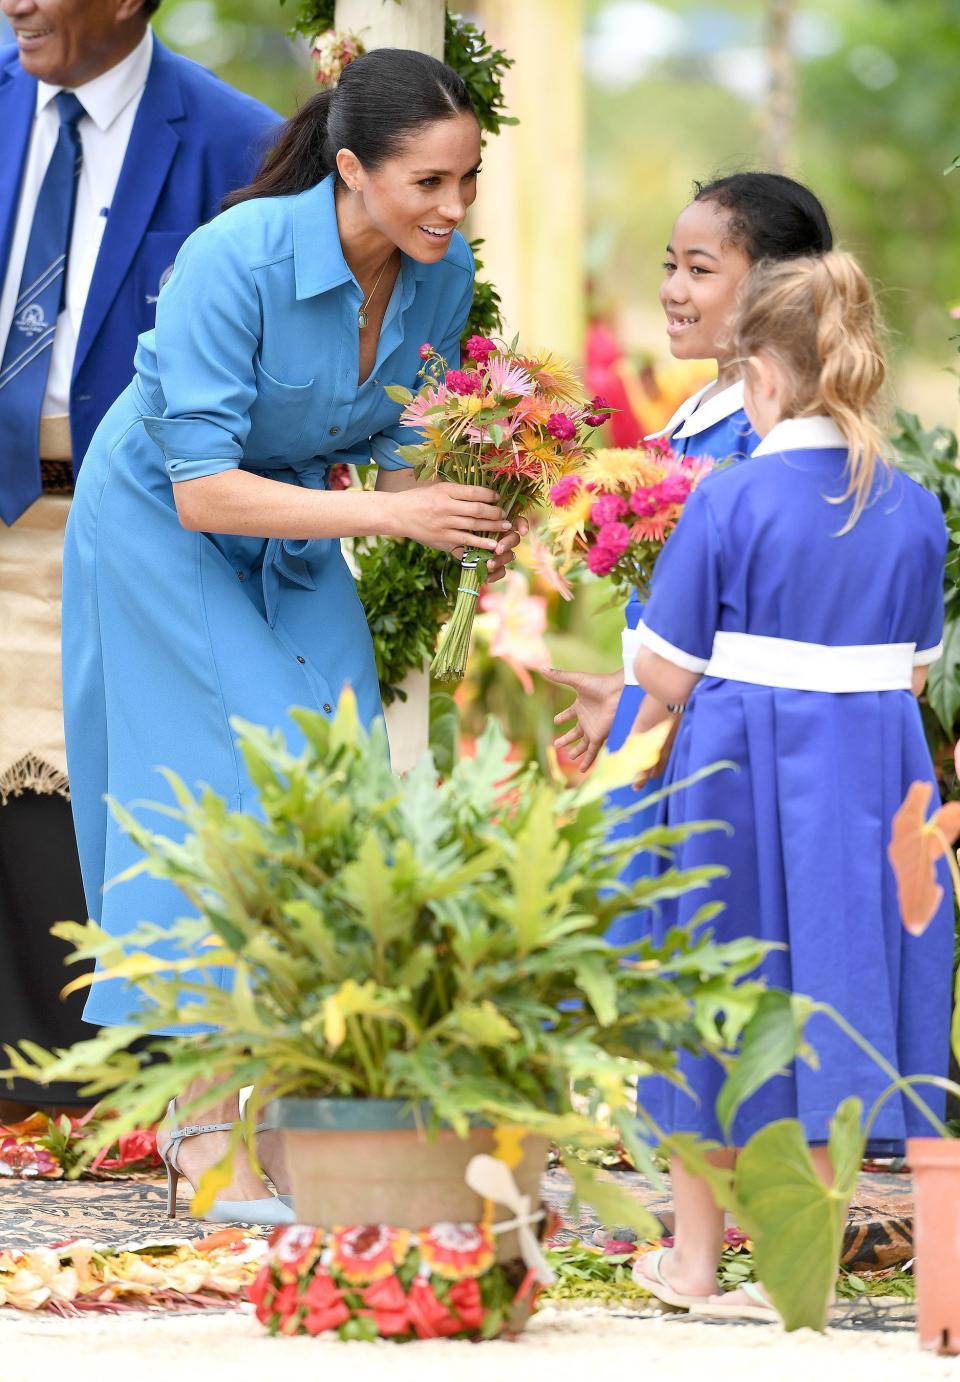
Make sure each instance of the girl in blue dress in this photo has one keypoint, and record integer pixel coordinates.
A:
(203, 577)
(731, 223)
(796, 610)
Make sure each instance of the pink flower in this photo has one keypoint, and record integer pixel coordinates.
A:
(515, 622)
(615, 537)
(462, 381)
(561, 427)
(598, 413)
(645, 502)
(601, 561)
(426, 350)
(507, 377)
(480, 348)
(564, 491)
(607, 509)
(674, 489)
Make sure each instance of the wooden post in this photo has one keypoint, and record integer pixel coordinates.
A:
(409, 24)
(782, 83)
(388, 24)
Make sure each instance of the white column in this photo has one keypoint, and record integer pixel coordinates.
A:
(409, 24)
(387, 24)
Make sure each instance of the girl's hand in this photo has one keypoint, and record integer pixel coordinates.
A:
(449, 516)
(592, 711)
(504, 554)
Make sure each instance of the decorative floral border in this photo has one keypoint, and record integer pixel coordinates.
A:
(376, 1281)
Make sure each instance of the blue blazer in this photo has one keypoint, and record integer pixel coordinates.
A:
(194, 139)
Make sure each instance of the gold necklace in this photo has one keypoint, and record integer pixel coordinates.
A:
(362, 314)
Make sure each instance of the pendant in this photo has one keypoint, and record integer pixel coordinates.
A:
(361, 318)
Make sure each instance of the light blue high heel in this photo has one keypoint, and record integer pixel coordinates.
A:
(275, 1210)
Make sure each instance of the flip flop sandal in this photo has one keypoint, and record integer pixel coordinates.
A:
(756, 1308)
(653, 1280)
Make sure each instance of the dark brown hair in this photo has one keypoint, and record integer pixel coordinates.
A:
(380, 100)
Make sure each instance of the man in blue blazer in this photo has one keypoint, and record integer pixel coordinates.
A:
(114, 151)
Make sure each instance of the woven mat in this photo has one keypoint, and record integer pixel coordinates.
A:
(35, 1213)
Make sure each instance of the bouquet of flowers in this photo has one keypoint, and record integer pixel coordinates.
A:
(618, 508)
(331, 52)
(514, 422)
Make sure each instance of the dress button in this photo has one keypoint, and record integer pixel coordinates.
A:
(301, 660)
(328, 707)
(334, 431)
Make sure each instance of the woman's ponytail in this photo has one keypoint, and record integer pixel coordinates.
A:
(818, 318)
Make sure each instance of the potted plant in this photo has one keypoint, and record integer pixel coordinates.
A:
(419, 974)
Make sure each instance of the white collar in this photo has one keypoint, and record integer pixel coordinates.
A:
(697, 419)
(105, 97)
(802, 434)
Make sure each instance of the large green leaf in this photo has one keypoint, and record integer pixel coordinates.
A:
(795, 1220)
(771, 1040)
(943, 680)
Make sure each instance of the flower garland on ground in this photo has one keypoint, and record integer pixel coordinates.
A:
(380, 1282)
(44, 1148)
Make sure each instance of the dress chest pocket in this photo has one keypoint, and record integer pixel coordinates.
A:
(278, 416)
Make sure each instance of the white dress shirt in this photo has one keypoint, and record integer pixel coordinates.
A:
(110, 101)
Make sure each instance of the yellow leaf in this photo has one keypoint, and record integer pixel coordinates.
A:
(508, 1144)
(334, 1022)
(213, 1180)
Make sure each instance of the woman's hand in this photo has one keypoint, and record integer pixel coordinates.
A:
(592, 711)
(450, 517)
(504, 554)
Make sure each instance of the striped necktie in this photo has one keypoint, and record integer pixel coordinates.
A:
(26, 359)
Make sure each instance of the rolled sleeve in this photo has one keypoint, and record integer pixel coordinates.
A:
(384, 445)
(682, 614)
(207, 336)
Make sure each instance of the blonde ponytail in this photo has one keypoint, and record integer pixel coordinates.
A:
(817, 317)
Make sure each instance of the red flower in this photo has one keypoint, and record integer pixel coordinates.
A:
(369, 1251)
(453, 1251)
(430, 1317)
(607, 509)
(615, 537)
(480, 348)
(466, 1299)
(426, 350)
(674, 489)
(260, 1293)
(462, 381)
(27, 1159)
(325, 1305)
(598, 413)
(645, 502)
(564, 490)
(561, 427)
(388, 1304)
(294, 1249)
(284, 1305)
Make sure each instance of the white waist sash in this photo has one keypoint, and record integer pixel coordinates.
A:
(791, 665)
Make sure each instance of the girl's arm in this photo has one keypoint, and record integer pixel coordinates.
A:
(919, 680)
(663, 680)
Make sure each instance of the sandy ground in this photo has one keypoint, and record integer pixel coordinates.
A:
(580, 1345)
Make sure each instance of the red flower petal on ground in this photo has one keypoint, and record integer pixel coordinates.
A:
(466, 1299)
(429, 1316)
(388, 1305)
(325, 1305)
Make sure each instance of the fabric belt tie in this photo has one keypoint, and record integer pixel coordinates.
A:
(795, 666)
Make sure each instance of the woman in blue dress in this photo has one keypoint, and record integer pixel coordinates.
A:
(796, 610)
(732, 223)
(203, 575)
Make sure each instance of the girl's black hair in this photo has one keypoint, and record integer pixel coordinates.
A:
(380, 100)
(770, 216)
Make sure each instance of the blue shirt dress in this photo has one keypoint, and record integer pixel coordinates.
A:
(718, 428)
(819, 774)
(253, 364)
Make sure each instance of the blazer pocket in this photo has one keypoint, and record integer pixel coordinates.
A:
(278, 415)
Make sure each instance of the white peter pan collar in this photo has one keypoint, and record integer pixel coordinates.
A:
(802, 434)
(105, 97)
(696, 418)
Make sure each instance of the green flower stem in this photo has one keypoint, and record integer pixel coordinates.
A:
(453, 650)
(355, 1028)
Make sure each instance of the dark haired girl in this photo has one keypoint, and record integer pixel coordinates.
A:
(731, 223)
(203, 571)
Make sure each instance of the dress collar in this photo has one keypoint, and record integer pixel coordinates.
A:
(802, 434)
(696, 417)
(106, 96)
(318, 259)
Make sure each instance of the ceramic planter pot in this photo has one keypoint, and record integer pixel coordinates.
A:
(935, 1162)
(366, 1161)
